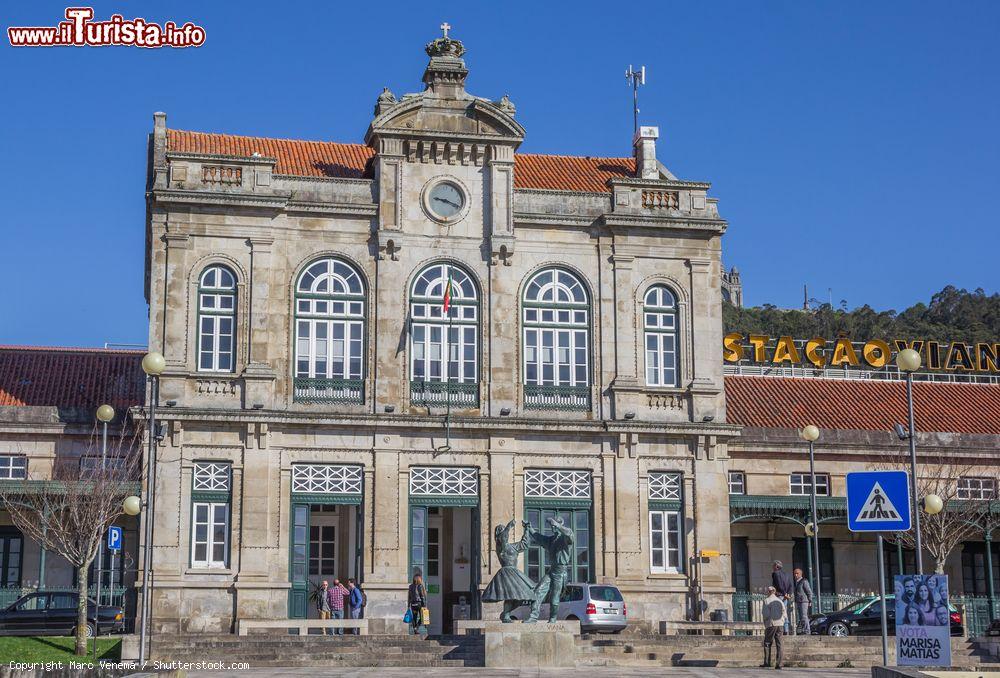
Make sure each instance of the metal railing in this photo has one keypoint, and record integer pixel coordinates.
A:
(747, 604)
(975, 610)
(334, 391)
(443, 393)
(556, 397)
(976, 613)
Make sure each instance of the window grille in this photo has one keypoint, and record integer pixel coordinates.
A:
(444, 481)
(557, 484)
(210, 476)
(665, 486)
(326, 479)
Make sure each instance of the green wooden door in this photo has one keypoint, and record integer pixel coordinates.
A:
(298, 595)
(418, 540)
(576, 518)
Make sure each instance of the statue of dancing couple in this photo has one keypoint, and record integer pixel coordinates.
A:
(513, 587)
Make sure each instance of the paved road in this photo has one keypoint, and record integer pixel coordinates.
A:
(591, 672)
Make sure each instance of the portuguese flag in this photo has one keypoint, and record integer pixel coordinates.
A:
(446, 300)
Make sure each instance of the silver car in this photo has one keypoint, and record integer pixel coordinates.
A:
(600, 608)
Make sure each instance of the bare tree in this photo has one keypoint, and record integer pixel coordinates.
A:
(960, 520)
(69, 512)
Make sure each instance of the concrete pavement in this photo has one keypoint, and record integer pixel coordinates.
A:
(590, 671)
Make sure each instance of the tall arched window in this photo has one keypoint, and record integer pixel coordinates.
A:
(659, 321)
(444, 337)
(329, 333)
(556, 342)
(216, 319)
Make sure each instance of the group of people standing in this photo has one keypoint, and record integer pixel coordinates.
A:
(924, 601)
(333, 601)
(785, 589)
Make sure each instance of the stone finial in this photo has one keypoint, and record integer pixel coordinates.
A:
(445, 47)
(644, 144)
(506, 105)
(385, 101)
(445, 74)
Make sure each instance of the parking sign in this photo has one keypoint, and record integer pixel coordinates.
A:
(114, 538)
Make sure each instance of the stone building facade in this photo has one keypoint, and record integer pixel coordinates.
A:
(328, 417)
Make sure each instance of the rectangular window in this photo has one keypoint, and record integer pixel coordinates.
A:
(442, 353)
(664, 541)
(328, 349)
(799, 485)
(215, 344)
(661, 359)
(210, 534)
(322, 550)
(977, 488)
(738, 482)
(555, 357)
(13, 466)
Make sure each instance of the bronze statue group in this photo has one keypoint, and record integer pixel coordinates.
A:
(512, 587)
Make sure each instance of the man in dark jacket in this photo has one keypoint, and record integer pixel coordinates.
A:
(783, 586)
(803, 600)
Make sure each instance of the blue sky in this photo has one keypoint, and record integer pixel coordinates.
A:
(852, 145)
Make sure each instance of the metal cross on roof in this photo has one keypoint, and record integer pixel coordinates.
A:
(446, 27)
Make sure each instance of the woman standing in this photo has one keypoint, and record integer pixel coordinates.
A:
(510, 586)
(416, 598)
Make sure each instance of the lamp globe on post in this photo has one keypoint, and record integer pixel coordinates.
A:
(153, 364)
(908, 362)
(132, 505)
(932, 504)
(810, 433)
(105, 413)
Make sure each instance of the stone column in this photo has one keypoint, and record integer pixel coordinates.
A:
(259, 372)
(625, 339)
(259, 497)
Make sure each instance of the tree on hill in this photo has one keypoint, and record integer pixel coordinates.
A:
(952, 315)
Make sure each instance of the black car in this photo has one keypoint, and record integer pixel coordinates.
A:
(54, 614)
(863, 617)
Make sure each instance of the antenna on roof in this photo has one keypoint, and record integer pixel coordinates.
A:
(635, 78)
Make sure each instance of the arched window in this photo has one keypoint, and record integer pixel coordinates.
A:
(659, 321)
(216, 319)
(444, 337)
(556, 342)
(329, 333)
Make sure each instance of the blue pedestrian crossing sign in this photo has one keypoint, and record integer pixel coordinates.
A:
(114, 538)
(878, 501)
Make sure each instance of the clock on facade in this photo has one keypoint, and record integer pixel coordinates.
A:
(445, 200)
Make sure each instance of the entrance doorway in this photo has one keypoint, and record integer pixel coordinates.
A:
(444, 550)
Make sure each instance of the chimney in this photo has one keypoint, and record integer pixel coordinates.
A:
(645, 153)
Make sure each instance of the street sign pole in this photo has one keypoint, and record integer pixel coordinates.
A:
(881, 595)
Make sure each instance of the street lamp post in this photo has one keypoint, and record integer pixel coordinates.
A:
(908, 361)
(153, 365)
(105, 413)
(810, 433)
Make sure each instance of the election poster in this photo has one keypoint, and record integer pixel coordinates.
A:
(923, 620)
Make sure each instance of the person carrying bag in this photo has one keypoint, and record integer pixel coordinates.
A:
(416, 599)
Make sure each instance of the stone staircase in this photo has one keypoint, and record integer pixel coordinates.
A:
(654, 650)
(317, 650)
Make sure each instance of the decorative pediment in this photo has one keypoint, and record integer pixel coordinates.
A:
(430, 117)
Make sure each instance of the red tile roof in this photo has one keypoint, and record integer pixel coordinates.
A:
(330, 159)
(70, 377)
(774, 402)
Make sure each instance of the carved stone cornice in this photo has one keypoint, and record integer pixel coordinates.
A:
(168, 196)
(546, 219)
(383, 422)
(712, 226)
(332, 208)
